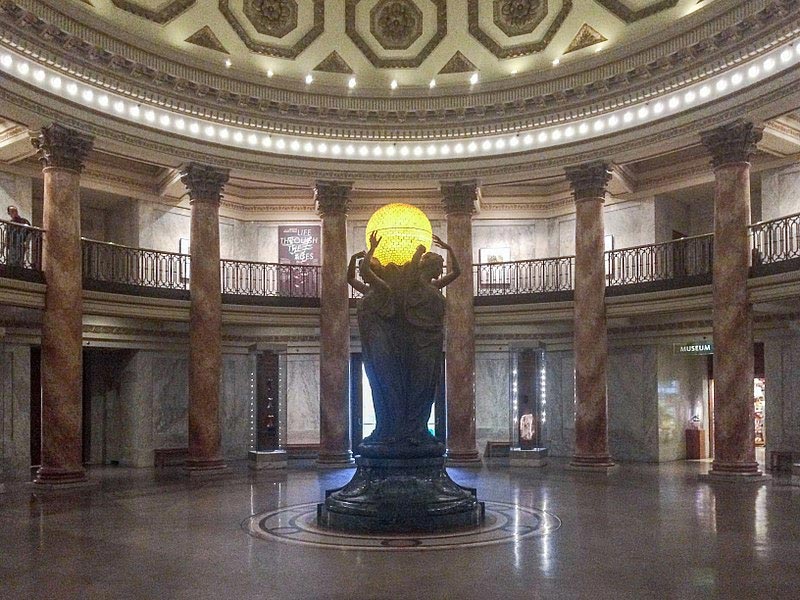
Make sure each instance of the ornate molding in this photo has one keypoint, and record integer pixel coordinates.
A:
(332, 197)
(500, 51)
(259, 47)
(164, 15)
(460, 197)
(62, 148)
(732, 143)
(589, 180)
(204, 183)
(390, 63)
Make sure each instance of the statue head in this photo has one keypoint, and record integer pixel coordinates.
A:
(431, 265)
(376, 267)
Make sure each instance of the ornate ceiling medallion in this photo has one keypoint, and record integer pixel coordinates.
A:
(586, 36)
(275, 18)
(522, 17)
(396, 25)
(167, 13)
(272, 17)
(518, 17)
(619, 9)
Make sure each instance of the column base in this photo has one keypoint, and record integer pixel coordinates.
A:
(734, 473)
(592, 463)
(259, 460)
(337, 460)
(200, 466)
(463, 458)
(49, 476)
(796, 474)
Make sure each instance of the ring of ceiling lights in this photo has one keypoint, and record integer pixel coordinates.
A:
(775, 59)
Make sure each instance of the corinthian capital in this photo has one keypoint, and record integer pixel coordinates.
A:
(204, 183)
(332, 197)
(589, 180)
(732, 143)
(459, 196)
(60, 147)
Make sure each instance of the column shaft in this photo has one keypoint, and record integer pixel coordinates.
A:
(205, 323)
(734, 446)
(590, 341)
(62, 151)
(334, 334)
(460, 199)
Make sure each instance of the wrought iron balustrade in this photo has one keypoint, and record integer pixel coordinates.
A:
(114, 264)
(672, 263)
(535, 276)
(247, 278)
(776, 240)
(20, 249)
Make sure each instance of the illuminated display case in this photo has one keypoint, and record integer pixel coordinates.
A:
(528, 406)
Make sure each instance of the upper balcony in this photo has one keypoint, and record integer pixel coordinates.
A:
(681, 263)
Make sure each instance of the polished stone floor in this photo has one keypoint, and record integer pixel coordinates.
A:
(646, 531)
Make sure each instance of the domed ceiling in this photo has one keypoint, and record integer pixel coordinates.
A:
(383, 46)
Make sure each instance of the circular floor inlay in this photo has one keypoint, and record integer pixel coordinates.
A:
(504, 523)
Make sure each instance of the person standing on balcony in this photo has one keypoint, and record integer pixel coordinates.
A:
(16, 238)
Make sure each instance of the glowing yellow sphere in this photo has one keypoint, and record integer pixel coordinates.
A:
(402, 228)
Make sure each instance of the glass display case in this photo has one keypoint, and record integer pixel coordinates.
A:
(528, 396)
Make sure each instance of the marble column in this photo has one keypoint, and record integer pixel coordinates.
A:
(62, 152)
(460, 199)
(734, 449)
(334, 330)
(204, 185)
(588, 182)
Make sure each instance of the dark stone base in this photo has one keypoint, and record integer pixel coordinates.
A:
(400, 496)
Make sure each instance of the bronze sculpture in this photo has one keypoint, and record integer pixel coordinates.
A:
(401, 483)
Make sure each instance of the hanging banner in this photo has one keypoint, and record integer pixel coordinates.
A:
(299, 245)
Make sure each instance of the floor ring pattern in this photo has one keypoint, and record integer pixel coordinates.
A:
(505, 523)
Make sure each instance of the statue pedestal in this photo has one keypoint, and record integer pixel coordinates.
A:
(400, 495)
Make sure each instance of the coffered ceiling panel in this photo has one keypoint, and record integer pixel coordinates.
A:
(381, 41)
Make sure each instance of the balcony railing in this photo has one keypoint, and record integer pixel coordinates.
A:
(775, 241)
(246, 278)
(114, 265)
(523, 277)
(684, 262)
(678, 263)
(20, 251)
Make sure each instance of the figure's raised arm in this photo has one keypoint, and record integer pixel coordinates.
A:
(356, 283)
(453, 268)
(366, 267)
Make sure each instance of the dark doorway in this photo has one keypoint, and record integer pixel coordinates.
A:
(86, 416)
(356, 400)
(267, 401)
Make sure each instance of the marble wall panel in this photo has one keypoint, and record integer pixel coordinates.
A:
(780, 192)
(682, 393)
(560, 394)
(782, 393)
(170, 393)
(692, 215)
(15, 401)
(236, 405)
(302, 379)
(633, 404)
(161, 227)
(520, 237)
(492, 398)
(93, 223)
